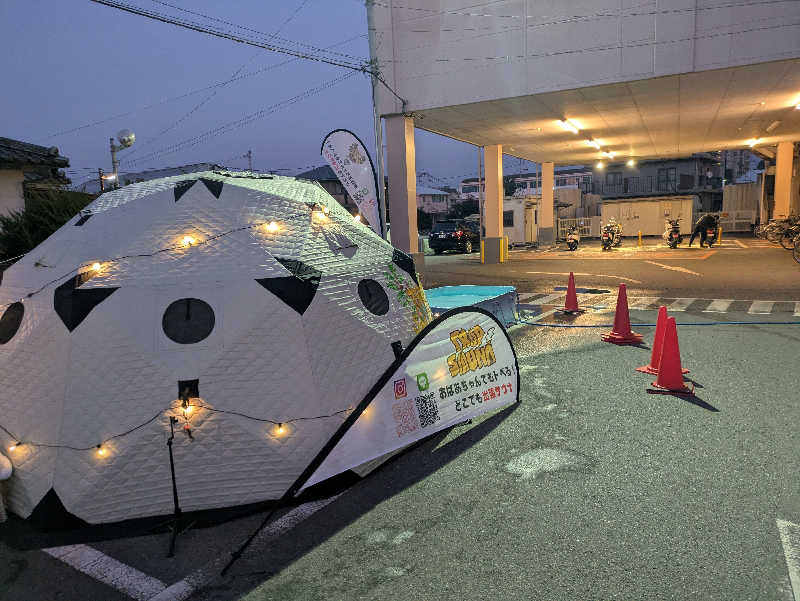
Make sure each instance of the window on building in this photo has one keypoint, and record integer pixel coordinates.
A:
(614, 178)
(469, 189)
(508, 218)
(687, 181)
(667, 179)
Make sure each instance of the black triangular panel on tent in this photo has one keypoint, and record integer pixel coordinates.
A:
(406, 263)
(214, 186)
(182, 188)
(83, 219)
(73, 305)
(50, 514)
(297, 290)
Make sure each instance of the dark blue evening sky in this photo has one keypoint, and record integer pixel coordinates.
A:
(68, 63)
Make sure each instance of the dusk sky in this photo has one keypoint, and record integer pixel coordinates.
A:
(70, 63)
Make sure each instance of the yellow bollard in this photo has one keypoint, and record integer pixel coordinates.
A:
(504, 252)
(719, 235)
(640, 238)
(482, 258)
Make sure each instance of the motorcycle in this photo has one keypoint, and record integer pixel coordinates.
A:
(611, 235)
(573, 237)
(672, 234)
(711, 235)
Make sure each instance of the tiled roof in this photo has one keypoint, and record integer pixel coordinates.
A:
(320, 174)
(14, 153)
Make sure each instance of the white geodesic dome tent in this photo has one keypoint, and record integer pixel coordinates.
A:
(257, 301)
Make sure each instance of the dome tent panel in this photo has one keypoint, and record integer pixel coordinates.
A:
(268, 351)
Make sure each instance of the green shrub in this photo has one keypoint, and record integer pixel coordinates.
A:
(45, 211)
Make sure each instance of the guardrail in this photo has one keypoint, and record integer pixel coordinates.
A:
(588, 227)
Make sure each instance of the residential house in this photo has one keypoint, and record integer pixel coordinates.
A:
(432, 201)
(92, 186)
(24, 167)
(328, 180)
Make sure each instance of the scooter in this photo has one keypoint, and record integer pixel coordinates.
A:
(611, 235)
(711, 235)
(573, 237)
(672, 234)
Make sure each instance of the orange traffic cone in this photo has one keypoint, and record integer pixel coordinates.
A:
(571, 305)
(622, 334)
(670, 378)
(658, 344)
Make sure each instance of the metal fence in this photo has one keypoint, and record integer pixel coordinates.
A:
(734, 221)
(588, 227)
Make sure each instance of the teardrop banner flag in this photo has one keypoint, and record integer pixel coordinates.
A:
(352, 164)
(460, 366)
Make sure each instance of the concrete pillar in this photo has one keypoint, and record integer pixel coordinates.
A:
(784, 169)
(402, 171)
(493, 205)
(546, 224)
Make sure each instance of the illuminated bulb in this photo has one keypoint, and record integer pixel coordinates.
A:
(797, 107)
(357, 218)
(187, 241)
(280, 429)
(14, 446)
(593, 143)
(631, 163)
(610, 154)
(326, 210)
(752, 143)
(568, 126)
(187, 410)
(272, 227)
(322, 216)
(96, 266)
(101, 451)
(599, 164)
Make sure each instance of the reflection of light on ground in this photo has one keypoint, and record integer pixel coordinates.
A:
(540, 461)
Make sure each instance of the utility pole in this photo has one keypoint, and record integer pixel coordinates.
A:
(100, 177)
(249, 156)
(115, 161)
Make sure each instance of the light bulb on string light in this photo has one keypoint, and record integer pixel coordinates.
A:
(13, 447)
(357, 218)
(101, 451)
(187, 241)
(271, 227)
(326, 210)
(96, 267)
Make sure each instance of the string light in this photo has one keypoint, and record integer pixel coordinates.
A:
(357, 218)
(280, 429)
(753, 142)
(187, 241)
(101, 450)
(326, 210)
(14, 446)
(610, 154)
(593, 143)
(187, 410)
(96, 266)
(272, 227)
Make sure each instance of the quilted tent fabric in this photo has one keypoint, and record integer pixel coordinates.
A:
(257, 301)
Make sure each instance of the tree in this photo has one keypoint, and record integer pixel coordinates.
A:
(45, 211)
(424, 221)
(463, 209)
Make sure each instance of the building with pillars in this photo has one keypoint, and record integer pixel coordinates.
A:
(575, 83)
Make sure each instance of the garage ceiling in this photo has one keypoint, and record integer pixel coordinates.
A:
(655, 118)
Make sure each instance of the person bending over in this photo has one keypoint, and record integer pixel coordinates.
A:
(703, 224)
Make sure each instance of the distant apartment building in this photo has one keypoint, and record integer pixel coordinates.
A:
(739, 166)
(433, 201)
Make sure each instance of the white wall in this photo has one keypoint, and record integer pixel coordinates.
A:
(521, 47)
(11, 196)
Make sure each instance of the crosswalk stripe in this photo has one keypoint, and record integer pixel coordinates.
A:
(761, 307)
(644, 302)
(680, 304)
(718, 306)
(740, 243)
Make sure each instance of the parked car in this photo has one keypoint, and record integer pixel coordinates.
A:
(454, 234)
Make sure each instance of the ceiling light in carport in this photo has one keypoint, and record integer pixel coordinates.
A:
(568, 126)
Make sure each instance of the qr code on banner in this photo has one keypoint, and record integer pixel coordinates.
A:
(404, 417)
(427, 409)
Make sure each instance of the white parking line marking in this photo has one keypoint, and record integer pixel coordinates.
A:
(797, 309)
(674, 268)
(643, 303)
(761, 307)
(549, 299)
(740, 243)
(594, 275)
(108, 570)
(680, 304)
(718, 306)
(790, 538)
(183, 589)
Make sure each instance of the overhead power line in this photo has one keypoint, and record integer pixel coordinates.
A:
(363, 67)
(225, 128)
(189, 93)
(214, 92)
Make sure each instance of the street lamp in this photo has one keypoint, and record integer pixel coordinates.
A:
(126, 139)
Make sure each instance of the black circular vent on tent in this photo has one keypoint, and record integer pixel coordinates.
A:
(188, 320)
(373, 296)
(9, 323)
